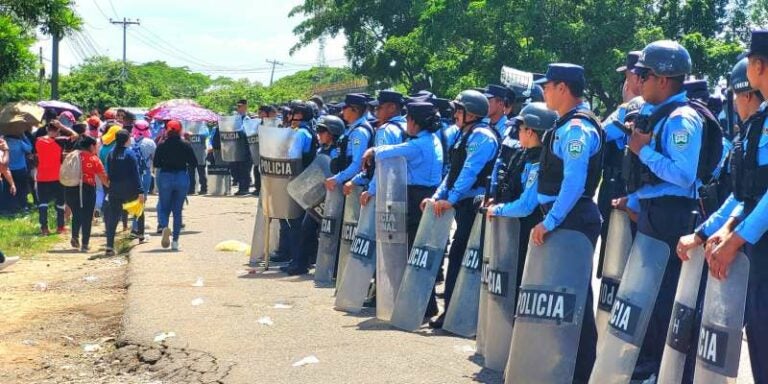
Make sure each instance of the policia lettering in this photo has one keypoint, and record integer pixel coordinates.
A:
(558, 307)
(423, 257)
(279, 167)
(362, 248)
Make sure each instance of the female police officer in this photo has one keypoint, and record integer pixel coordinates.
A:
(424, 155)
(517, 175)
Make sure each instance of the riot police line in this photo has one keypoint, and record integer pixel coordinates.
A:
(503, 181)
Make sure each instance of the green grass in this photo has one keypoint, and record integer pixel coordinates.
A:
(20, 234)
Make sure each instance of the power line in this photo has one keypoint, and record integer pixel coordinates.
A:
(101, 10)
(113, 8)
(125, 23)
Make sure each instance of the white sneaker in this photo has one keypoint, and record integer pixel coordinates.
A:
(8, 262)
(166, 241)
(175, 245)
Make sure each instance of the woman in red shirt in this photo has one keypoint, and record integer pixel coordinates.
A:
(82, 205)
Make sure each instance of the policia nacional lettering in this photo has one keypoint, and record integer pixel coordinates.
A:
(551, 306)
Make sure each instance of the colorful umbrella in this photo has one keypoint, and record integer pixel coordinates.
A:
(17, 118)
(173, 103)
(186, 112)
(61, 106)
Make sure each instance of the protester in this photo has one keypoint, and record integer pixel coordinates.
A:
(124, 184)
(19, 148)
(172, 159)
(82, 199)
(49, 154)
(7, 187)
(144, 148)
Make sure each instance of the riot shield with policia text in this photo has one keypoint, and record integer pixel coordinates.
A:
(461, 317)
(617, 247)
(348, 229)
(361, 264)
(233, 145)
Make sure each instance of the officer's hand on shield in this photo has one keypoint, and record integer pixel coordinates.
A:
(442, 206)
(365, 197)
(368, 158)
(423, 204)
(538, 233)
(686, 243)
(330, 183)
(720, 256)
(638, 140)
(347, 188)
(621, 204)
(489, 212)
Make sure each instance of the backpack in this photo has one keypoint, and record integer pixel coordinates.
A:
(143, 166)
(71, 173)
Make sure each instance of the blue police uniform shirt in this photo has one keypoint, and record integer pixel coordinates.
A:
(506, 142)
(575, 142)
(481, 148)
(528, 200)
(424, 157)
(391, 132)
(501, 126)
(677, 164)
(304, 137)
(240, 121)
(614, 134)
(730, 208)
(727, 147)
(357, 144)
(18, 148)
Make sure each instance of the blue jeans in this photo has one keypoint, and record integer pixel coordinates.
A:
(173, 187)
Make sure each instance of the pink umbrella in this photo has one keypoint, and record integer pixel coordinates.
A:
(186, 112)
(172, 104)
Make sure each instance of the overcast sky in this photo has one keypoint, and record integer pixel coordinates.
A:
(231, 38)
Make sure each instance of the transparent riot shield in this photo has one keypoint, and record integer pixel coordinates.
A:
(348, 229)
(482, 311)
(461, 318)
(720, 336)
(550, 308)
(233, 147)
(280, 162)
(502, 239)
(618, 348)
(328, 242)
(257, 239)
(391, 235)
(219, 176)
(308, 188)
(618, 243)
(424, 260)
(361, 265)
(251, 127)
(198, 135)
(681, 333)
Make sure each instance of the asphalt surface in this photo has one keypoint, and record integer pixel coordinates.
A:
(228, 321)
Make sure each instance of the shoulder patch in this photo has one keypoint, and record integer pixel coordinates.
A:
(472, 147)
(356, 142)
(531, 179)
(575, 123)
(575, 148)
(680, 139)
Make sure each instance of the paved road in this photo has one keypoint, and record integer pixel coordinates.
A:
(349, 348)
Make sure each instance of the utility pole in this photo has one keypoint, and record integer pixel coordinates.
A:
(125, 23)
(55, 65)
(274, 63)
(41, 76)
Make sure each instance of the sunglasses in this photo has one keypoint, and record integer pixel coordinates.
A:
(645, 75)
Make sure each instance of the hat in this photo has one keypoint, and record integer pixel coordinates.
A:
(631, 60)
(420, 110)
(758, 43)
(571, 73)
(242, 102)
(388, 97)
(355, 99)
(739, 81)
(112, 131)
(109, 114)
(444, 106)
(317, 99)
(494, 90)
(696, 89)
(93, 122)
(173, 125)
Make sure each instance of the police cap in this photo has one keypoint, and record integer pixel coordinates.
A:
(696, 89)
(630, 62)
(565, 72)
(388, 97)
(444, 106)
(500, 91)
(758, 43)
(420, 110)
(355, 99)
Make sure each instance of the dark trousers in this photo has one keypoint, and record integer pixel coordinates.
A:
(19, 201)
(48, 191)
(256, 178)
(82, 211)
(585, 218)
(241, 171)
(665, 219)
(308, 242)
(415, 196)
(284, 238)
(293, 236)
(756, 315)
(465, 211)
(200, 172)
(113, 214)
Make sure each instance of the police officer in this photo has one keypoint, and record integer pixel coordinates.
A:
(318, 100)
(424, 158)
(472, 159)
(568, 177)
(616, 137)
(498, 98)
(517, 175)
(742, 221)
(390, 129)
(241, 170)
(352, 145)
(663, 184)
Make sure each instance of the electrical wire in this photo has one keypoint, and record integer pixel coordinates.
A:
(113, 8)
(96, 3)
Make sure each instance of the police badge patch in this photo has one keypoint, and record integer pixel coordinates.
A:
(531, 179)
(472, 147)
(680, 139)
(575, 148)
